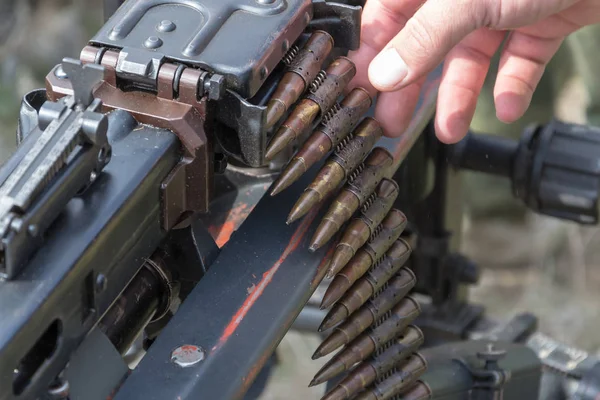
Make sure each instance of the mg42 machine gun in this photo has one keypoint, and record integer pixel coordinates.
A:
(200, 181)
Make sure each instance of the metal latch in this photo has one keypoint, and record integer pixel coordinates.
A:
(490, 379)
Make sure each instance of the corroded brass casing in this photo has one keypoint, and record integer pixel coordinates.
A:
(363, 227)
(335, 127)
(406, 308)
(408, 373)
(371, 370)
(358, 190)
(323, 96)
(389, 231)
(300, 73)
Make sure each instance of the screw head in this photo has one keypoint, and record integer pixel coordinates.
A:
(60, 73)
(101, 283)
(153, 42)
(187, 355)
(166, 26)
(491, 353)
(33, 230)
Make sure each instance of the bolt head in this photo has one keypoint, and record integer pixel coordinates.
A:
(153, 42)
(33, 230)
(101, 283)
(166, 26)
(187, 355)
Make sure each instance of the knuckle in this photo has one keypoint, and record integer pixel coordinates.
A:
(422, 37)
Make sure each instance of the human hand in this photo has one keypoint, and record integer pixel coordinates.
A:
(404, 40)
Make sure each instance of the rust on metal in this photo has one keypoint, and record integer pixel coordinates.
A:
(398, 382)
(355, 194)
(376, 368)
(363, 227)
(367, 343)
(324, 184)
(338, 75)
(367, 257)
(338, 168)
(335, 127)
(295, 125)
(365, 287)
(300, 73)
(323, 96)
(367, 315)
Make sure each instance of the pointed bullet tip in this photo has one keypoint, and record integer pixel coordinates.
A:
(324, 325)
(275, 111)
(305, 203)
(279, 186)
(280, 141)
(315, 356)
(334, 292)
(337, 314)
(324, 233)
(289, 175)
(313, 383)
(270, 154)
(340, 258)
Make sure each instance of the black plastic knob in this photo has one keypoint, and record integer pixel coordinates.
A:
(556, 171)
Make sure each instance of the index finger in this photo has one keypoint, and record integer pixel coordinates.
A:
(381, 21)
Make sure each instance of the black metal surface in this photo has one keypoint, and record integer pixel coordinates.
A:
(108, 231)
(132, 311)
(246, 138)
(452, 380)
(557, 171)
(484, 153)
(207, 31)
(96, 357)
(237, 313)
(449, 322)
(341, 21)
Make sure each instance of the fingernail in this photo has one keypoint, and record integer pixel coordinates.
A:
(388, 69)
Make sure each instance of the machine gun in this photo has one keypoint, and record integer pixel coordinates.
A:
(137, 206)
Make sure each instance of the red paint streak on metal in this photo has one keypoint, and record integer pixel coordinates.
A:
(235, 217)
(254, 371)
(266, 279)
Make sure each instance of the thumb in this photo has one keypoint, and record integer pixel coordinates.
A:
(428, 36)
